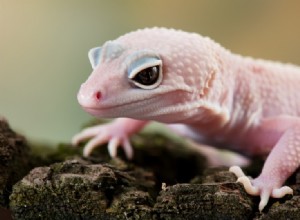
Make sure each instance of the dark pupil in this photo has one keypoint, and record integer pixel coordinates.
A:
(147, 76)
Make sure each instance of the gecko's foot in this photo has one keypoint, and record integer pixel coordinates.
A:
(263, 187)
(101, 134)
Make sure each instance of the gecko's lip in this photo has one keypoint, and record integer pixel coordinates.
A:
(90, 110)
(129, 107)
(121, 109)
(101, 111)
(108, 107)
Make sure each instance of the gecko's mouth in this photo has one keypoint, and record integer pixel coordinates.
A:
(125, 108)
(107, 107)
(163, 107)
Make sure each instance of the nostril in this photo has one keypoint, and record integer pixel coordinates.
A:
(98, 95)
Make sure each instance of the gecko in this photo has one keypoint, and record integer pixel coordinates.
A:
(204, 92)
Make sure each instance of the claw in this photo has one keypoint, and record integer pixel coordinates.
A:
(264, 199)
(113, 146)
(128, 149)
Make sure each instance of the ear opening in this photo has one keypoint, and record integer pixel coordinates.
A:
(94, 56)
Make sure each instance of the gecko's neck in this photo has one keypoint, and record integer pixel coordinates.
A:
(257, 81)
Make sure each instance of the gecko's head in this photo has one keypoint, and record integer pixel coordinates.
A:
(157, 74)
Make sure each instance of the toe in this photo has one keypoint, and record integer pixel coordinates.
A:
(128, 149)
(250, 189)
(93, 143)
(281, 192)
(85, 135)
(237, 171)
(113, 146)
(264, 199)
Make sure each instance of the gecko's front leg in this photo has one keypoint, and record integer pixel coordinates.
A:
(115, 133)
(283, 160)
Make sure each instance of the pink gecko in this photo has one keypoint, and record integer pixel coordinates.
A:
(205, 91)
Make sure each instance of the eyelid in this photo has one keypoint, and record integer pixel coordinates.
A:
(141, 64)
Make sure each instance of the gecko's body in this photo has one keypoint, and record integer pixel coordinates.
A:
(209, 93)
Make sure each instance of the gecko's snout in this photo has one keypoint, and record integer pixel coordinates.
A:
(89, 98)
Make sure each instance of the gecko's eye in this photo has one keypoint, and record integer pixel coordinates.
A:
(146, 73)
(148, 76)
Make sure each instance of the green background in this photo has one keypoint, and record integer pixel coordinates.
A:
(44, 44)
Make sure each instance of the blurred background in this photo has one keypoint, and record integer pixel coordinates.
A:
(44, 44)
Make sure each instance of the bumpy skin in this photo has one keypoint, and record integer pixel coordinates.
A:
(207, 92)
